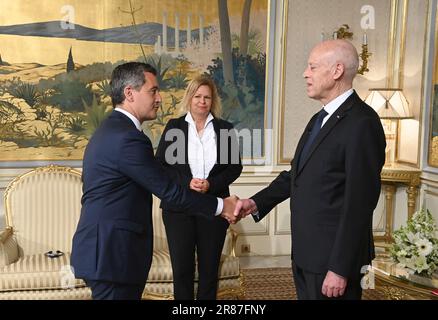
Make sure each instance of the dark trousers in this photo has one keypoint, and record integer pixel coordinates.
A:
(103, 290)
(187, 234)
(309, 286)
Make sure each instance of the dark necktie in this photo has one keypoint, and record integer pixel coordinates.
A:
(315, 130)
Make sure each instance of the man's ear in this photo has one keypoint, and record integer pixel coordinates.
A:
(128, 93)
(339, 71)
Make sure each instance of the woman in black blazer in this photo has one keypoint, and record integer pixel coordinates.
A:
(203, 155)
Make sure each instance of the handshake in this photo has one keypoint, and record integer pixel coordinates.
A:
(236, 209)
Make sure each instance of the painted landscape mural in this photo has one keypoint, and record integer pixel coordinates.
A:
(56, 62)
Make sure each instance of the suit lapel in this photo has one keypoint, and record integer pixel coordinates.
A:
(184, 126)
(302, 142)
(216, 127)
(334, 119)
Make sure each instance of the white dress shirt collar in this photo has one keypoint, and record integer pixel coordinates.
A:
(130, 116)
(191, 121)
(334, 105)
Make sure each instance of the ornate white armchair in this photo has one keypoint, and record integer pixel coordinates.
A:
(42, 209)
(160, 281)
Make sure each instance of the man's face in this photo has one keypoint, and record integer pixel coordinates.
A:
(147, 99)
(319, 75)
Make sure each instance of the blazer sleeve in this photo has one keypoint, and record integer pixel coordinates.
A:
(160, 154)
(232, 170)
(364, 159)
(137, 161)
(277, 191)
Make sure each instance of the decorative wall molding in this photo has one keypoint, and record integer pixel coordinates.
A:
(304, 24)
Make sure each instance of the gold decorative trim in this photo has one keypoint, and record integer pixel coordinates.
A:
(394, 293)
(423, 70)
(401, 67)
(409, 177)
(234, 236)
(390, 191)
(391, 43)
(285, 25)
(401, 62)
(434, 80)
(156, 296)
(266, 143)
(390, 177)
(396, 288)
(35, 171)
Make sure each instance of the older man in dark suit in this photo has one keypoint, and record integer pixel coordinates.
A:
(112, 246)
(334, 181)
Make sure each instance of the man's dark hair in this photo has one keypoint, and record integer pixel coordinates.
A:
(131, 73)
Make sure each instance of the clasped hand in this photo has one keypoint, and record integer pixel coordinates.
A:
(236, 209)
(199, 185)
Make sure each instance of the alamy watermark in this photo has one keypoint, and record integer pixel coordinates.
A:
(67, 277)
(68, 20)
(234, 144)
(368, 20)
(368, 280)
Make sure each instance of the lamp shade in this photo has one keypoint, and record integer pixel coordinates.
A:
(389, 103)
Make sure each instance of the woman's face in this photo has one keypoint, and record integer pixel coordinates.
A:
(201, 102)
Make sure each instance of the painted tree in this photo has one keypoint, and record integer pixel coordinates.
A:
(70, 62)
(132, 11)
(224, 25)
(244, 28)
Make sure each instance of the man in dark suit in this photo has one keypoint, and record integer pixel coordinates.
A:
(113, 243)
(334, 181)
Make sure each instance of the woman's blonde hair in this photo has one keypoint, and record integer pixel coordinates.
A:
(202, 80)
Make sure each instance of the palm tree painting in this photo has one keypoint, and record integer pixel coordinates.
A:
(55, 65)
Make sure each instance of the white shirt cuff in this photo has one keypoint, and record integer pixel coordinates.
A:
(220, 206)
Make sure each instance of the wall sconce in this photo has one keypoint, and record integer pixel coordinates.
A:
(344, 33)
(391, 105)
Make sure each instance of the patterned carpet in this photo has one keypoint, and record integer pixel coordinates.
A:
(277, 284)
